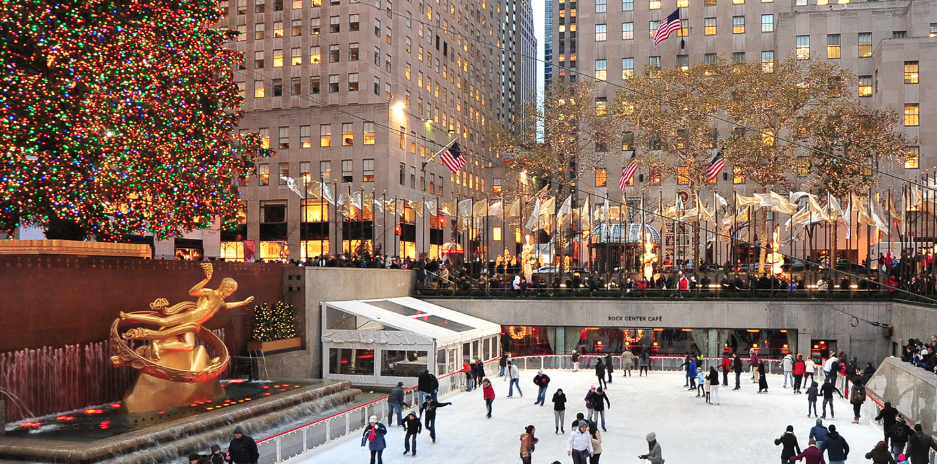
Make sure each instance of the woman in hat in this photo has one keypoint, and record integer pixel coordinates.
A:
(373, 438)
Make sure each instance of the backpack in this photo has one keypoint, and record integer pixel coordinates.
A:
(858, 393)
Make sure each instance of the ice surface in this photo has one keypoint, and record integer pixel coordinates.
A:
(740, 430)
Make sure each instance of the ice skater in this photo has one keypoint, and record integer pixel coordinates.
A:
(588, 400)
(596, 443)
(762, 380)
(791, 448)
(800, 368)
(514, 378)
(713, 386)
(653, 450)
(579, 444)
(725, 365)
(627, 363)
(373, 438)
(812, 392)
(559, 410)
(413, 427)
(827, 390)
(428, 408)
(737, 368)
(488, 393)
(575, 358)
(600, 371)
(644, 361)
(700, 382)
(599, 399)
(609, 367)
(527, 443)
(541, 380)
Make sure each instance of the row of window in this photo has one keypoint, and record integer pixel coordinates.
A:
(325, 172)
(325, 135)
(601, 6)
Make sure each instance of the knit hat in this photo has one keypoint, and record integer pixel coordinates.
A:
(194, 457)
(238, 429)
(651, 436)
(583, 424)
(790, 428)
(215, 448)
(832, 428)
(540, 371)
(372, 419)
(399, 384)
(819, 421)
(901, 457)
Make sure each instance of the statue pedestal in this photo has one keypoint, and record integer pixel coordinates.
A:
(150, 394)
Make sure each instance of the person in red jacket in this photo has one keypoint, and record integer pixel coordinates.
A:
(725, 365)
(488, 393)
(811, 454)
(800, 368)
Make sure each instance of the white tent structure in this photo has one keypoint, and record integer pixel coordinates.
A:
(385, 341)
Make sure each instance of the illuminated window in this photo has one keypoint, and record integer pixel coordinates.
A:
(263, 174)
(258, 89)
(803, 166)
(865, 44)
(265, 137)
(683, 3)
(601, 70)
(865, 86)
(803, 47)
(353, 23)
(352, 82)
(368, 168)
(654, 176)
(684, 30)
(601, 32)
(652, 27)
(683, 62)
(284, 173)
(709, 2)
(654, 5)
(325, 171)
(258, 31)
(601, 106)
(296, 56)
(296, 26)
(325, 135)
(833, 51)
(767, 23)
(911, 72)
(767, 61)
(316, 210)
(627, 68)
(912, 156)
(278, 29)
(348, 175)
(601, 177)
(278, 58)
(709, 26)
(627, 31)
(933, 30)
(738, 2)
(348, 135)
(738, 176)
(562, 28)
(738, 24)
(315, 54)
(242, 33)
(284, 137)
(369, 133)
(683, 175)
(496, 233)
(353, 51)
(911, 113)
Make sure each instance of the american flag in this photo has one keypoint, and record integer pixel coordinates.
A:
(453, 158)
(669, 26)
(628, 173)
(715, 167)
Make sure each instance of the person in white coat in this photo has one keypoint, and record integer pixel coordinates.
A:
(579, 444)
(514, 377)
(787, 364)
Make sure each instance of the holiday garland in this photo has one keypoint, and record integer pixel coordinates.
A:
(275, 322)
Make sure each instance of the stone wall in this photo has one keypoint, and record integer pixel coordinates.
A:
(912, 321)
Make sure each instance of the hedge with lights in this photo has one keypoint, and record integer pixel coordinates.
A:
(275, 322)
(119, 116)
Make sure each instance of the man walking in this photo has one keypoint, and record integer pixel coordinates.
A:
(837, 450)
(394, 404)
(919, 445)
(515, 379)
(541, 380)
(787, 364)
(737, 367)
(827, 390)
(243, 449)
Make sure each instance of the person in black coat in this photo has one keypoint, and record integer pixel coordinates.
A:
(503, 362)
(217, 457)
(737, 368)
(243, 449)
(609, 366)
(413, 427)
(428, 409)
(559, 410)
(889, 416)
(762, 381)
(427, 385)
(791, 448)
(898, 434)
(598, 400)
(600, 372)
(919, 445)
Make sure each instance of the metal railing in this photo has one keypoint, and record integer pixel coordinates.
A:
(656, 363)
(291, 443)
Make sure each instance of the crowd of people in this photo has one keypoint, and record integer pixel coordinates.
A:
(920, 354)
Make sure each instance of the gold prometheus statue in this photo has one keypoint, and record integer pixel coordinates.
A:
(173, 368)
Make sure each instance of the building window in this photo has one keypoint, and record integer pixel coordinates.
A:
(377, 86)
(767, 23)
(912, 156)
(335, 24)
(314, 26)
(738, 57)
(258, 60)
(654, 63)
(601, 70)
(627, 68)
(601, 177)
(911, 113)
(803, 47)
(369, 133)
(683, 175)
(684, 30)
(278, 58)
(865, 86)
(683, 62)
(333, 83)
(627, 141)
(296, 27)
(368, 168)
(413, 177)
(601, 106)
(899, 34)
(352, 82)
(911, 72)
(627, 31)
(627, 5)
(263, 174)
(865, 44)
(353, 51)
(709, 2)
(601, 32)
(738, 2)
(348, 135)
(833, 51)
(314, 84)
(709, 26)
(654, 5)
(325, 171)
(334, 53)
(304, 169)
(297, 85)
(601, 6)
(738, 24)
(353, 23)
(348, 176)
(278, 29)
(767, 61)
(259, 31)
(738, 176)
(800, 2)
(933, 30)
(496, 233)
(709, 58)
(296, 56)
(403, 175)
(652, 27)
(325, 135)
(803, 166)
(683, 3)
(315, 54)
(284, 138)
(284, 173)
(265, 137)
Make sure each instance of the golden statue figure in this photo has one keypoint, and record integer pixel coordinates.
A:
(527, 256)
(174, 369)
(775, 259)
(648, 259)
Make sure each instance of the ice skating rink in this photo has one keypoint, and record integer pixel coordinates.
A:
(740, 430)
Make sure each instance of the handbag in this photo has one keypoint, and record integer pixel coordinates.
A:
(585, 454)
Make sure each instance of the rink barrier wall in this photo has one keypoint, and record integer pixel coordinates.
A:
(296, 441)
(657, 363)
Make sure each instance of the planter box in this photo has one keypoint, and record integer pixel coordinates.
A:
(276, 345)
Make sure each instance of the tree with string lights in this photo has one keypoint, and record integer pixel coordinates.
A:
(118, 117)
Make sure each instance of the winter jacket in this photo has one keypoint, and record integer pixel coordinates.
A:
(395, 396)
(597, 401)
(888, 416)
(527, 440)
(691, 372)
(754, 359)
(787, 364)
(811, 455)
(600, 368)
(812, 392)
(579, 441)
(818, 433)
(725, 364)
(412, 424)
(597, 443)
(627, 360)
(575, 357)
(559, 402)
(898, 433)
(541, 380)
(836, 447)
(737, 365)
(589, 399)
(827, 390)
(790, 448)
(377, 443)
(857, 394)
(918, 445)
(243, 450)
(654, 455)
(488, 392)
(644, 359)
(512, 372)
(880, 456)
(810, 366)
(714, 378)
(429, 407)
(800, 368)
(504, 360)
(216, 458)
(609, 365)
(481, 370)
(427, 383)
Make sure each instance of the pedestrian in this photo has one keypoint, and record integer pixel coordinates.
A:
(599, 400)
(243, 449)
(528, 442)
(737, 367)
(559, 410)
(373, 439)
(790, 448)
(514, 378)
(395, 404)
(596, 443)
(488, 393)
(579, 444)
(700, 382)
(691, 374)
(889, 416)
(919, 445)
(898, 435)
(413, 427)
(753, 362)
(811, 454)
(609, 367)
(427, 385)
(644, 361)
(812, 399)
(762, 379)
(827, 390)
(217, 457)
(541, 380)
(818, 432)
(837, 450)
(469, 377)
(725, 365)
(880, 454)
(503, 362)
(714, 385)
(857, 397)
(787, 365)
(653, 450)
(588, 399)
(810, 369)
(799, 369)
(600, 371)
(428, 410)
(627, 363)
(686, 368)
(575, 357)
(481, 370)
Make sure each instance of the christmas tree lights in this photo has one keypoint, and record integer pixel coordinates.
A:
(119, 116)
(275, 322)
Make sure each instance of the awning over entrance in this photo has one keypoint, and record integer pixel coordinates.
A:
(622, 233)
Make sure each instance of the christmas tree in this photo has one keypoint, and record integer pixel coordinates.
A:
(119, 116)
(274, 323)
